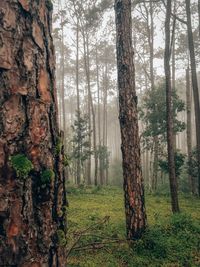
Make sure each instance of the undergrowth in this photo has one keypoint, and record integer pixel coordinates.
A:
(170, 240)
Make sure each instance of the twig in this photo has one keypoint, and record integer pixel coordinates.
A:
(81, 234)
(98, 245)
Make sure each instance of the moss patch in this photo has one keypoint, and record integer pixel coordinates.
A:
(47, 176)
(61, 239)
(22, 165)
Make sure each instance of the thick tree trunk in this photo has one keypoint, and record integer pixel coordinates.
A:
(32, 185)
(171, 163)
(194, 85)
(189, 126)
(132, 171)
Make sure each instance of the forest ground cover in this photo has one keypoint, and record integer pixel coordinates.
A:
(96, 219)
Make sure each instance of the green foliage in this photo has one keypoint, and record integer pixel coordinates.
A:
(81, 133)
(58, 146)
(168, 241)
(192, 164)
(179, 162)
(103, 155)
(47, 176)
(153, 114)
(61, 238)
(22, 165)
(66, 161)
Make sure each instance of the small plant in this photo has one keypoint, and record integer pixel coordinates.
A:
(58, 146)
(47, 176)
(61, 238)
(22, 165)
(66, 160)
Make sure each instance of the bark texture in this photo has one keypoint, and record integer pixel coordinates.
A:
(170, 143)
(31, 214)
(189, 127)
(194, 84)
(132, 171)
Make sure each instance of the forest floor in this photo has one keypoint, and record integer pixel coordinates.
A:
(97, 231)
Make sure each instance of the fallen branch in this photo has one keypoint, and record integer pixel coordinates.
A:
(98, 245)
(82, 233)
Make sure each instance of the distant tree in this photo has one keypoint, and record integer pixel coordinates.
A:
(179, 162)
(192, 169)
(132, 171)
(169, 109)
(103, 155)
(80, 146)
(153, 113)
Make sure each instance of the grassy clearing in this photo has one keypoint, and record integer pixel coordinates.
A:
(169, 240)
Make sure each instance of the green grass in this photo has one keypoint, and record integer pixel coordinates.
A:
(170, 240)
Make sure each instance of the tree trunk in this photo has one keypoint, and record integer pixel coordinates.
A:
(132, 171)
(170, 146)
(194, 85)
(99, 112)
(93, 113)
(78, 169)
(105, 119)
(63, 79)
(32, 185)
(189, 127)
(174, 64)
(199, 15)
(155, 164)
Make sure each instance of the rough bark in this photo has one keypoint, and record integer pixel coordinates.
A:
(169, 108)
(30, 213)
(194, 84)
(189, 127)
(132, 171)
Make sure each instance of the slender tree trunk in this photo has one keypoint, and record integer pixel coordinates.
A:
(174, 66)
(31, 215)
(171, 163)
(63, 79)
(155, 164)
(90, 101)
(194, 85)
(89, 106)
(105, 115)
(189, 127)
(99, 111)
(199, 15)
(78, 174)
(150, 30)
(93, 114)
(132, 171)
